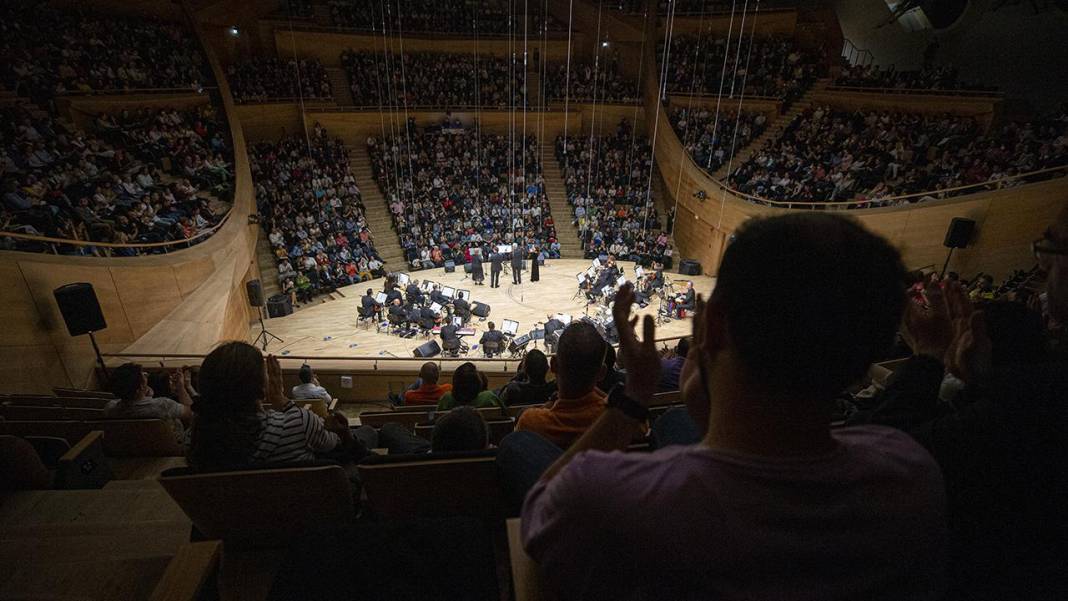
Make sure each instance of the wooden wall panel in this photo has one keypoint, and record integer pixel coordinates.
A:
(81, 110)
(148, 294)
(773, 22)
(982, 109)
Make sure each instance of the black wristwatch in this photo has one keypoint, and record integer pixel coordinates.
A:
(619, 399)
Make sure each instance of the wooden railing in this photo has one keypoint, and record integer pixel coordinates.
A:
(134, 91)
(553, 34)
(166, 246)
(917, 91)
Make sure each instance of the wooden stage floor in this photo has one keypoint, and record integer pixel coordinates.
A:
(329, 329)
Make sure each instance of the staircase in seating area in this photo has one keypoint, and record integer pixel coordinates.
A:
(377, 211)
(268, 265)
(339, 85)
(773, 129)
(566, 232)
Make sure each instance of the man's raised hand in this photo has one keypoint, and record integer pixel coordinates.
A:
(641, 359)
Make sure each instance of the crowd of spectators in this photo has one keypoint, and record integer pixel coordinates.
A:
(711, 139)
(134, 178)
(584, 82)
(492, 17)
(313, 214)
(263, 79)
(434, 79)
(450, 189)
(766, 66)
(48, 52)
(827, 154)
(944, 77)
(607, 180)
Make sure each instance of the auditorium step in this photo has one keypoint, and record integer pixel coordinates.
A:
(376, 211)
(268, 265)
(566, 231)
(773, 130)
(339, 85)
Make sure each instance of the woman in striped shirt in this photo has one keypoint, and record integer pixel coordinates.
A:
(243, 417)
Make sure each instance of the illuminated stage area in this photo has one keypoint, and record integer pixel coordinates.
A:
(330, 329)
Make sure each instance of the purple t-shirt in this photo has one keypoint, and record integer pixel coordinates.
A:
(864, 521)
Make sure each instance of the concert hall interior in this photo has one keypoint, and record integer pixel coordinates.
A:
(520, 300)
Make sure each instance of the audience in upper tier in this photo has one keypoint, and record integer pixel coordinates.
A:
(935, 77)
(692, 7)
(771, 66)
(423, 16)
(855, 512)
(48, 52)
(434, 79)
(608, 187)
(589, 82)
(469, 189)
(109, 184)
(265, 79)
(828, 154)
(714, 139)
(313, 214)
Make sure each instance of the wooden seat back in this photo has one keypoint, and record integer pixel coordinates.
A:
(316, 406)
(81, 393)
(433, 487)
(497, 428)
(138, 437)
(48, 413)
(69, 430)
(262, 508)
(666, 398)
(56, 401)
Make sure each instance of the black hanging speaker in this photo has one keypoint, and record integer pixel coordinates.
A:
(80, 309)
(428, 349)
(959, 234)
(255, 293)
(480, 309)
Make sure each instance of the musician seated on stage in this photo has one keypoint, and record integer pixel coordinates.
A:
(468, 388)
(413, 293)
(437, 297)
(397, 312)
(427, 391)
(687, 298)
(492, 335)
(461, 306)
(529, 386)
(450, 340)
(369, 305)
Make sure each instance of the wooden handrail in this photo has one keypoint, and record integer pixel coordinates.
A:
(553, 34)
(169, 243)
(917, 91)
(455, 108)
(132, 91)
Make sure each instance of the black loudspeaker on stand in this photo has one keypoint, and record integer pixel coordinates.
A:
(959, 235)
(255, 299)
(427, 349)
(82, 315)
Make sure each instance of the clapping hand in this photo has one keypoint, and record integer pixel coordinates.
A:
(276, 394)
(640, 358)
(948, 328)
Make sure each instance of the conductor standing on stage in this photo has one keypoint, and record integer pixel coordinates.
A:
(495, 270)
(477, 274)
(517, 263)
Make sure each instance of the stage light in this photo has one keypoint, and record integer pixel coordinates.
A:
(234, 31)
(604, 44)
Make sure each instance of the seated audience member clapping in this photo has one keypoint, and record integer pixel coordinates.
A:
(578, 365)
(671, 367)
(136, 399)
(244, 418)
(309, 387)
(429, 392)
(468, 388)
(770, 503)
(529, 386)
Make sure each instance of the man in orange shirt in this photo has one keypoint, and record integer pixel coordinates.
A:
(429, 391)
(578, 365)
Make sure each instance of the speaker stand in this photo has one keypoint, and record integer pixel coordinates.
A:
(946, 264)
(99, 357)
(264, 336)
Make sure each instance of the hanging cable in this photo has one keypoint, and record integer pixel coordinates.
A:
(661, 94)
(741, 96)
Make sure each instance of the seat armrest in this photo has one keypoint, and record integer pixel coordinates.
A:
(188, 571)
(84, 465)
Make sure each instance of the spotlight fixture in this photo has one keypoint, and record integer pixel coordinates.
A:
(604, 44)
(234, 31)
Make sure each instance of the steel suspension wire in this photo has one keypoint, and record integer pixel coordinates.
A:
(567, 79)
(404, 93)
(691, 134)
(738, 114)
(661, 94)
(594, 146)
(723, 72)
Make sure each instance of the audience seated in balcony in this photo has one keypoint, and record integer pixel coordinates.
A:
(608, 186)
(935, 77)
(758, 456)
(829, 154)
(430, 16)
(49, 51)
(587, 82)
(769, 66)
(712, 140)
(460, 195)
(108, 184)
(439, 79)
(266, 79)
(313, 214)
